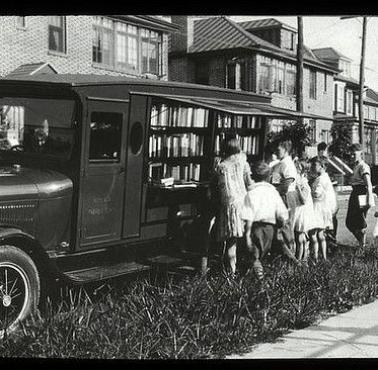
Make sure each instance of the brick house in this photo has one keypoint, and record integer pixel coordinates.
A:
(257, 56)
(346, 102)
(127, 45)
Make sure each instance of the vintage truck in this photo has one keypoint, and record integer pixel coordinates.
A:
(83, 164)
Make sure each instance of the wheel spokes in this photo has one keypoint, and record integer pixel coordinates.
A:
(13, 290)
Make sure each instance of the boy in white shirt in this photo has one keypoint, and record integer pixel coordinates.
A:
(263, 211)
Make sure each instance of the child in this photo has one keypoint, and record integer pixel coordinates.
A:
(324, 200)
(263, 210)
(304, 212)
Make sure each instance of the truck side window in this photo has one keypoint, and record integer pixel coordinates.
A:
(105, 136)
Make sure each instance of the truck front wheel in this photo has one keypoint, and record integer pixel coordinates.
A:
(19, 287)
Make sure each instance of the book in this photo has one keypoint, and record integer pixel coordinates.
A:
(176, 146)
(154, 116)
(190, 117)
(185, 145)
(362, 200)
(176, 173)
(196, 172)
(163, 115)
(156, 171)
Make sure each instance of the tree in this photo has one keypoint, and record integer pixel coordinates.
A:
(341, 142)
(300, 135)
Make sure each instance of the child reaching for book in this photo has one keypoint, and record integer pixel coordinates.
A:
(263, 211)
(304, 212)
(324, 205)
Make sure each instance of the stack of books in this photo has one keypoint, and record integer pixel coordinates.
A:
(178, 145)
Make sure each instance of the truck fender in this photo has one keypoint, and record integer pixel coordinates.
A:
(27, 243)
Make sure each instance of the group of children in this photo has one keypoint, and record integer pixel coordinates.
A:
(289, 203)
(305, 210)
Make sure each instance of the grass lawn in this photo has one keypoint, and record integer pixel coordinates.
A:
(191, 318)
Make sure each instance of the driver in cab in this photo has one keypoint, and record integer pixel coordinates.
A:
(39, 141)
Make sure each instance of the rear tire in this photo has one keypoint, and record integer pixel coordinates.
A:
(19, 287)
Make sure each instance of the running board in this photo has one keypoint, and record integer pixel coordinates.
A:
(104, 272)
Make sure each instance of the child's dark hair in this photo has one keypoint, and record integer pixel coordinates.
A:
(322, 146)
(231, 146)
(287, 144)
(356, 147)
(315, 160)
(302, 166)
(261, 171)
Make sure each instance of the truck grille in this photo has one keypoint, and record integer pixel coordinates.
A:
(20, 214)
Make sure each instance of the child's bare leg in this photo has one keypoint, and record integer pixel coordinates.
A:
(231, 253)
(306, 249)
(296, 234)
(323, 243)
(315, 245)
(204, 264)
(301, 245)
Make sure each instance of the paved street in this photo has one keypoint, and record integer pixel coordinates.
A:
(351, 334)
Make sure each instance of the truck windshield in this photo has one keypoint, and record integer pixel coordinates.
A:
(41, 126)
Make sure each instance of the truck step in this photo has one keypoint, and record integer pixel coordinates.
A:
(105, 272)
(165, 260)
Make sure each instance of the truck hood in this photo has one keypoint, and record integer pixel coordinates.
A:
(31, 183)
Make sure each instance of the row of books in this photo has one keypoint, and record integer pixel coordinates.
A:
(180, 145)
(163, 115)
(190, 172)
(246, 122)
(249, 144)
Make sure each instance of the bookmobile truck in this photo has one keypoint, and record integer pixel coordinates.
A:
(102, 176)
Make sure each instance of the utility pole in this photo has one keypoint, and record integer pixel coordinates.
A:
(299, 75)
(362, 80)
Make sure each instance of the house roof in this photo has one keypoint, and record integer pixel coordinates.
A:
(265, 23)
(221, 33)
(32, 69)
(346, 79)
(373, 95)
(149, 21)
(329, 54)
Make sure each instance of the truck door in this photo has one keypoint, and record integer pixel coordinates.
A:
(104, 172)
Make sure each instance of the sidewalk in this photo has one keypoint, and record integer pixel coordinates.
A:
(351, 334)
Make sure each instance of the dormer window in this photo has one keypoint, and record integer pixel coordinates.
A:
(345, 67)
(287, 40)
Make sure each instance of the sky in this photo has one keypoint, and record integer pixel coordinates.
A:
(343, 35)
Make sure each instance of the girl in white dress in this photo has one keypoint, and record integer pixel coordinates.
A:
(323, 207)
(304, 212)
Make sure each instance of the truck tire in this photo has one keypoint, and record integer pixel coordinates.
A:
(19, 287)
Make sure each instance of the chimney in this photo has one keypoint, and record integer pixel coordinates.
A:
(183, 39)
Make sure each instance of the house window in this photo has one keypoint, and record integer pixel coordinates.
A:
(290, 79)
(325, 82)
(324, 136)
(349, 102)
(102, 47)
(235, 75)
(279, 75)
(340, 103)
(287, 40)
(312, 124)
(57, 33)
(312, 84)
(21, 22)
(264, 83)
(126, 47)
(151, 51)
